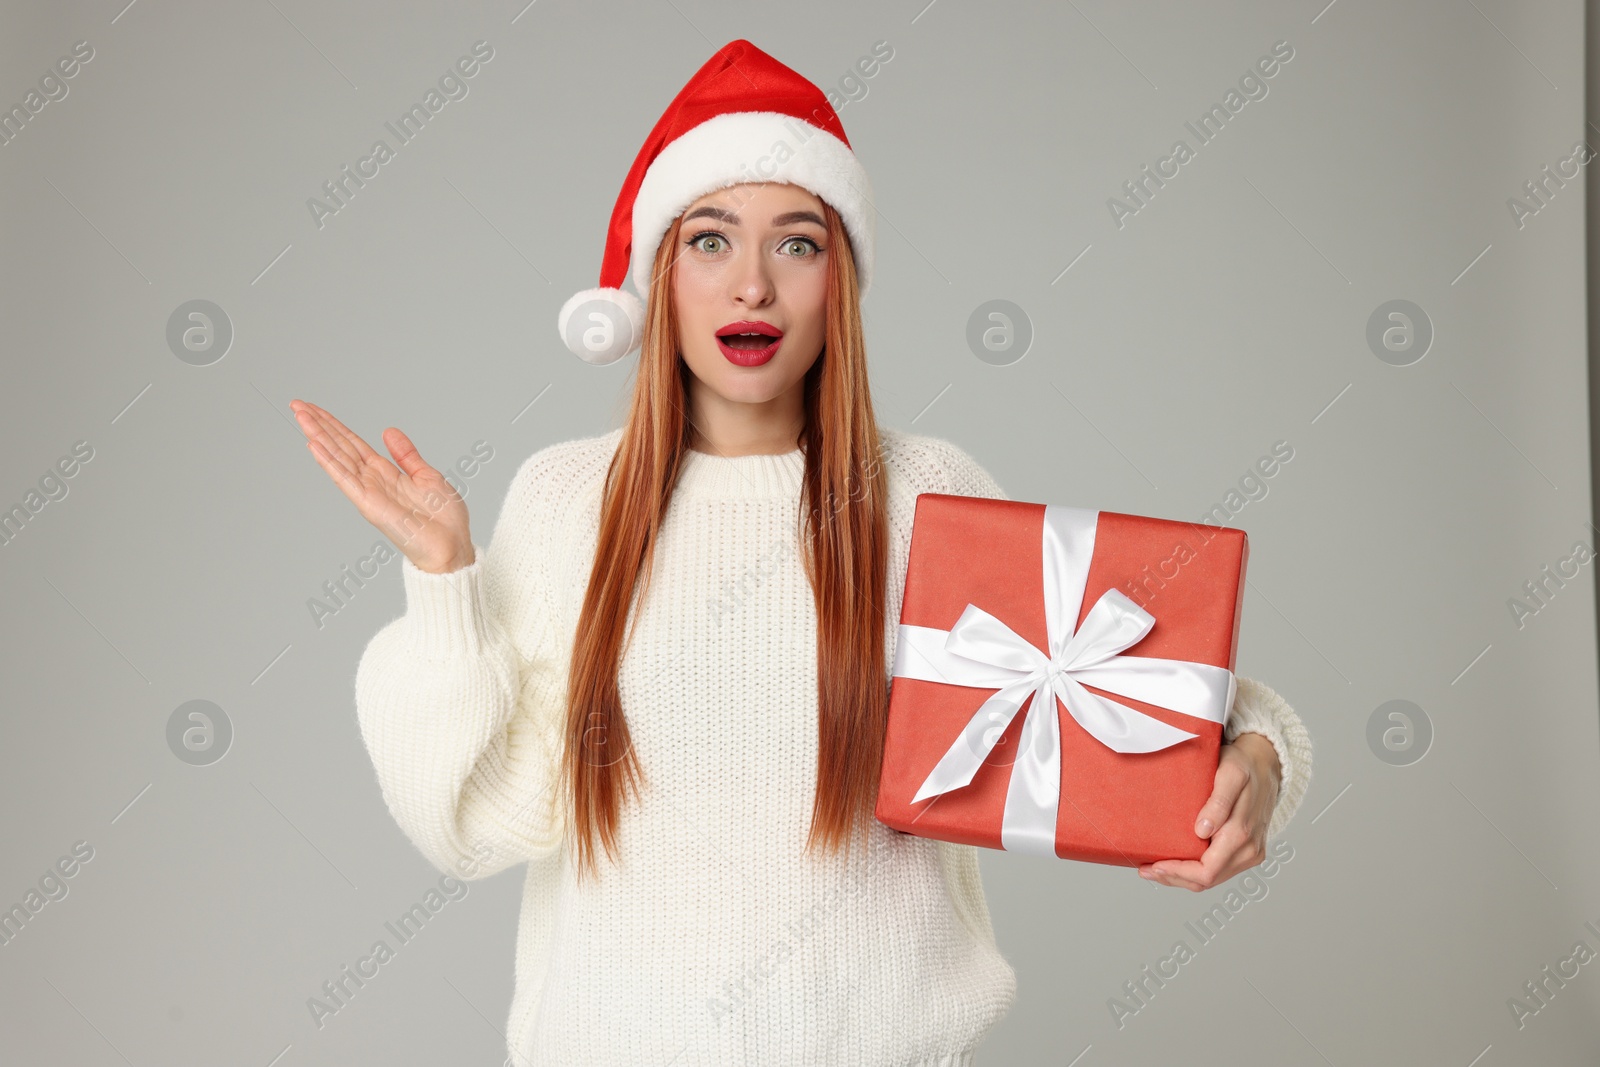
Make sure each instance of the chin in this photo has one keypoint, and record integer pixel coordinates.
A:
(747, 385)
(749, 390)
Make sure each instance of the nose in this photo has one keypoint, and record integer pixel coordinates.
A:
(752, 279)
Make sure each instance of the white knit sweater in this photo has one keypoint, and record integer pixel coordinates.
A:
(717, 940)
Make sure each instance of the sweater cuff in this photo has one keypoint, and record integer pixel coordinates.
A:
(448, 611)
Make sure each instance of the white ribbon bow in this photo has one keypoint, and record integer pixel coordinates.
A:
(983, 652)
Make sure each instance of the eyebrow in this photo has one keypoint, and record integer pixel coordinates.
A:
(787, 218)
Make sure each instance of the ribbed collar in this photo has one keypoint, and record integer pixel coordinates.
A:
(758, 477)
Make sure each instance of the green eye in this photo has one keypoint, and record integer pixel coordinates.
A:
(798, 247)
(697, 238)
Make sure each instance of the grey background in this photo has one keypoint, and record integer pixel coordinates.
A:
(1229, 313)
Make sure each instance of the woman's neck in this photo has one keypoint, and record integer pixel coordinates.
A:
(719, 427)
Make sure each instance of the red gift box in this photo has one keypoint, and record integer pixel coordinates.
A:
(1139, 683)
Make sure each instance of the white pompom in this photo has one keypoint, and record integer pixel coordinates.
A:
(602, 325)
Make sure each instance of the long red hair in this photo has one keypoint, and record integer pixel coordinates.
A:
(844, 507)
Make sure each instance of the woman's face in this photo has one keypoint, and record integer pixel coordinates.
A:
(751, 258)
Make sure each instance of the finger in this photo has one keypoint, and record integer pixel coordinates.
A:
(337, 441)
(313, 423)
(1187, 870)
(405, 454)
(1225, 792)
(1214, 812)
(363, 450)
(1148, 872)
(1177, 881)
(342, 476)
(1222, 859)
(305, 418)
(1196, 873)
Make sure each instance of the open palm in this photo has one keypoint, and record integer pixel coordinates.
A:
(407, 500)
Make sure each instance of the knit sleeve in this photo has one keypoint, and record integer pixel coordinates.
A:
(461, 722)
(1257, 709)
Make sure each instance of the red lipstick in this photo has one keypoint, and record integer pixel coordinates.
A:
(749, 343)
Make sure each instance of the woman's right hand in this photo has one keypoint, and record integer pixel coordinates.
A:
(408, 501)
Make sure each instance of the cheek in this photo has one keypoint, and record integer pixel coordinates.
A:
(812, 300)
(694, 292)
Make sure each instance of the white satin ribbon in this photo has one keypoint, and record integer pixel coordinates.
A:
(983, 652)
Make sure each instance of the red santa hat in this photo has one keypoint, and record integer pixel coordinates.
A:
(743, 117)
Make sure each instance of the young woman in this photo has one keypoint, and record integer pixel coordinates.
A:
(663, 685)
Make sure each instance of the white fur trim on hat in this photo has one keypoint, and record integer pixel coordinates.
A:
(611, 326)
(752, 146)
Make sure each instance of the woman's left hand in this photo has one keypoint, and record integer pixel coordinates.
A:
(1235, 818)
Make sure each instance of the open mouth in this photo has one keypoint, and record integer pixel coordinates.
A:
(751, 341)
(747, 343)
(751, 335)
